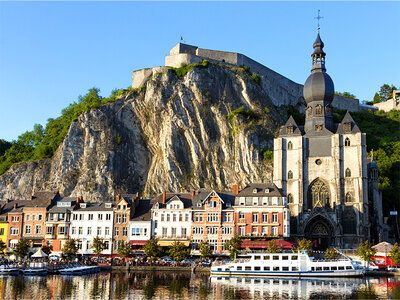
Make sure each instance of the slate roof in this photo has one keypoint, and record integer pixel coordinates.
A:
(226, 197)
(186, 198)
(348, 119)
(42, 199)
(143, 211)
(297, 130)
(9, 207)
(248, 191)
(93, 206)
(63, 209)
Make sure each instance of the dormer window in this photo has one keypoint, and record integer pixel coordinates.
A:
(108, 205)
(318, 127)
(83, 205)
(289, 130)
(242, 201)
(347, 127)
(254, 191)
(318, 110)
(255, 201)
(199, 204)
(267, 191)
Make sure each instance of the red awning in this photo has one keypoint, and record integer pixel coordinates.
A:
(137, 242)
(264, 244)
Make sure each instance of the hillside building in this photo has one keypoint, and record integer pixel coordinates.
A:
(322, 169)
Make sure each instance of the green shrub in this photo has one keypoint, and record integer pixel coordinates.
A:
(184, 69)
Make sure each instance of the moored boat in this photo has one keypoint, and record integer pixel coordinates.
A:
(33, 271)
(286, 264)
(9, 270)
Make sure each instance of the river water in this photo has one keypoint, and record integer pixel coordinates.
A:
(184, 285)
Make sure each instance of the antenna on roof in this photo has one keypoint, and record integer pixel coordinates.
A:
(319, 17)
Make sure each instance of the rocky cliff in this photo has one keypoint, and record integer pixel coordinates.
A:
(208, 128)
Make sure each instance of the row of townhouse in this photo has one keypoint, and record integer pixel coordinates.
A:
(259, 209)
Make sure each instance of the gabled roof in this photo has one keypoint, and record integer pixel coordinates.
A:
(260, 188)
(8, 207)
(143, 211)
(348, 119)
(186, 198)
(290, 122)
(93, 206)
(227, 198)
(43, 199)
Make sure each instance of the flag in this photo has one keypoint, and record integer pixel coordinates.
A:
(182, 39)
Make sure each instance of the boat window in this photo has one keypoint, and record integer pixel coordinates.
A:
(348, 268)
(226, 269)
(285, 282)
(319, 268)
(266, 257)
(257, 257)
(266, 280)
(333, 268)
(341, 268)
(312, 269)
(294, 257)
(219, 269)
(239, 268)
(276, 268)
(247, 280)
(257, 268)
(326, 268)
(247, 268)
(285, 257)
(285, 268)
(295, 268)
(275, 257)
(267, 269)
(257, 280)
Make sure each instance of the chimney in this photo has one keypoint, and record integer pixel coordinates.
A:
(118, 197)
(164, 197)
(79, 199)
(15, 205)
(193, 193)
(235, 189)
(196, 192)
(7, 200)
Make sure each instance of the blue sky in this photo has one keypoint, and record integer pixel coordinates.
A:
(52, 52)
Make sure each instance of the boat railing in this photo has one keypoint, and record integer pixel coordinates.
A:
(239, 260)
(329, 260)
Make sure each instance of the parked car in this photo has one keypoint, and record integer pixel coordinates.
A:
(391, 268)
(187, 260)
(372, 267)
(206, 263)
(168, 260)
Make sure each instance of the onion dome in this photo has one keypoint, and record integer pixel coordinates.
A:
(319, 85)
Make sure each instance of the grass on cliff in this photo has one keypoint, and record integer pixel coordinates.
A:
(253, 75)
(184, 69)
(247, 115)
(42, 142)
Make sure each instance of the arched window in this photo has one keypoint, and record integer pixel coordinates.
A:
(290, 198)
(309, 112)
(348, 173)
(349, 221)
(347, 142)
(290, 146)
(318, 194)
(327, 110)
(318, 110)
(290, 175)
(348, 198)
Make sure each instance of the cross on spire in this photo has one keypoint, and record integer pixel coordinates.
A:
(319, 18)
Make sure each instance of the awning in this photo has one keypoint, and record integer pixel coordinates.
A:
(169, 243)
(137, 242)
(264, 244)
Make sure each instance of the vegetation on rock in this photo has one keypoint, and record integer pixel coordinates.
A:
(184, 69)
(345, 94)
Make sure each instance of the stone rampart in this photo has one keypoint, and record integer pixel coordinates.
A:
(140, 77)
(388, 105)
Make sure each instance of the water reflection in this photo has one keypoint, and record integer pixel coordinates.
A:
(183, 285)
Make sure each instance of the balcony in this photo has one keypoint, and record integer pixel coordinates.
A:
(50, 236)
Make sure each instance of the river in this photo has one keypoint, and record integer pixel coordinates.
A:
(183, 285)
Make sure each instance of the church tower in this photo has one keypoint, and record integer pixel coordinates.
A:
(322, 168)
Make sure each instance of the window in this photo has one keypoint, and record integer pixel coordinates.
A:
(173, 232)
(290, 175)
(213, 217)
(123, 218)
(184, 232)
(27, 229)
(81, 217)
(124, 231)
(289, 129)
(90, 217)
(80, 230)
(14, 231)
(33, 217)
(100, 217)
(254, 217)
(285, 257)
(242, 230)
(167, 217)
(290, 146)
(40, 217)
(107, 231)
(213, 204)
(290, 198)
(197, 230)
(318, 110)
(162, 217)
(348, 173)
(267, 268)
(108, 217)
(116, 231)
(241, 215)
(227, 230)
(309, 112)
(275, 257)
(27, 217)
(73, 229)
(1, 231)
(226, 217)
(98, 230)
(265, 230)
(265, 201)
(275, 230)
(294, 257)
(74, 217)
(212, 230)
(49, 230)
(242, 201)
(274, 217)
(347, 142)
(164, 232)
(14, 219)
(255, 201)
(38, 229)
(318, 127)
(186, 217)
(180, 217)
(198, 217)
(79, 245)
(61, 230)
(173, 218)
(254, 230)
(118, 221)
(347, 127)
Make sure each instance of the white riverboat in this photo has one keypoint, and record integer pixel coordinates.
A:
(286, 264)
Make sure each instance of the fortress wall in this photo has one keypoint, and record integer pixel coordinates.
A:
(388, 105)
(220, 56)
(346, 103)
(183, 48)
(177, 60)
(140, 77)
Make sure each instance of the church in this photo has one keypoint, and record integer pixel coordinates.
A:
(322, 167)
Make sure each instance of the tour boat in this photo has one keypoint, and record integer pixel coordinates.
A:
(33, 271)
(286, 264)
(8, 270)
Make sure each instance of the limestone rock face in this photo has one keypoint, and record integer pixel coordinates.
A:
(208, 129)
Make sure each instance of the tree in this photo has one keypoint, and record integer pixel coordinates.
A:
(395, 254)
(124, 249)
(272, 247)
(331, 253)
(304, 244)
(233, 246)
(385, 93)
(346, 94)
(98, 245)
(205, 250)
(70, 248)
(21, 248)
(47, 249)
(3, 247)
(151, 248)
(178, 251)
(366, 252)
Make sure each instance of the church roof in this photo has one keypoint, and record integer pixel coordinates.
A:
(290, 123)
(348, 119)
